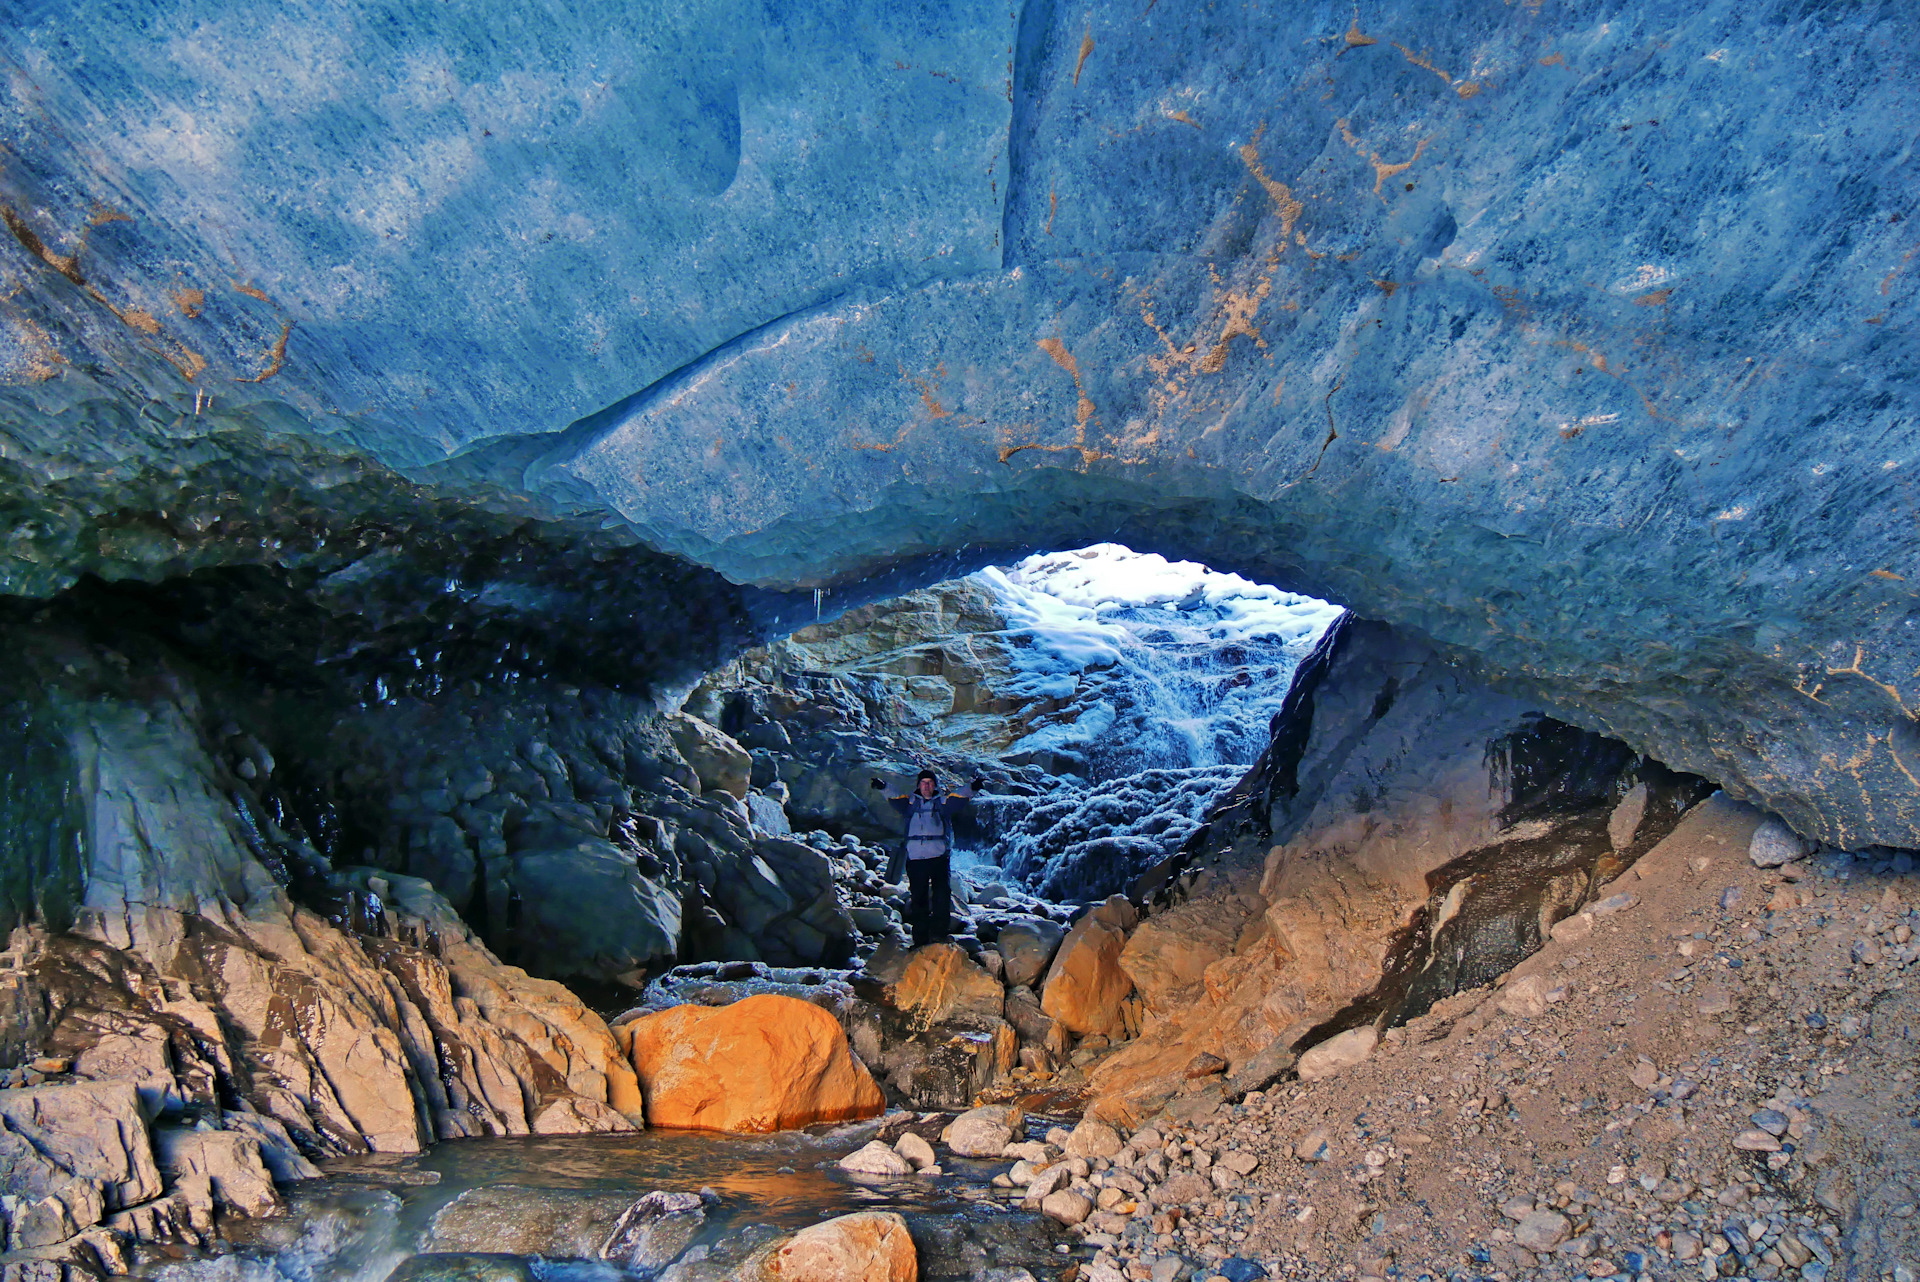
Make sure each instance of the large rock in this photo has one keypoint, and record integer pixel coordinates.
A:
(1338, 1053)
(225, 1166)
(530, 1221)
(1774, 844)
(93, 1131)
(876, 1159)
(653, 1232)
(720, 763)
(1167, 955)
(982, 1132)
(1403, 812)
(767, 1063)
(1026, 947)
(189, 970)
(867, 1246)
(1086, 983)
(940, 984)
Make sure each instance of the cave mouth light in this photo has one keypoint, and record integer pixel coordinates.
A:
(1153, 663)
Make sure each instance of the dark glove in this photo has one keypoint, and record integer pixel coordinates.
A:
(878, 785)
(976, 785)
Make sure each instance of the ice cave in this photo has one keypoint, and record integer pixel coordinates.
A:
(712, 641)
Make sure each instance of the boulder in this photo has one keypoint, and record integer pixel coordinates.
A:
(1623, 824)
(1093, 1139)
(768, 815)
(228, 1162)
(916, 1150)
(1025, 947)
(983, 1132)
(463, 1266)
(766, 1063)
(636, 918)
(512, 1218)
(1043, 1183)
(653, 1232)
(1068, 1206)
(940, 985)
(878, 1160)
(1338, 1053)
(868, 1246)
(1086, 984)
(93, 1130)
(1168, 954)
(719, 762)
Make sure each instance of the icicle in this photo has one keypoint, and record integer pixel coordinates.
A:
(819, 594)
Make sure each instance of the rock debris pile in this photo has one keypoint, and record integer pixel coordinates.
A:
(1715, 1079)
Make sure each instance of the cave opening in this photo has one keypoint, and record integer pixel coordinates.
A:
(1108, 696)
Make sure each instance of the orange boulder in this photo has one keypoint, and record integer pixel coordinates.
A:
(1086, 983)
(765, 1063)
(867, 1246)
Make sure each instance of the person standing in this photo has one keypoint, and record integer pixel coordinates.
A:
(929, 851)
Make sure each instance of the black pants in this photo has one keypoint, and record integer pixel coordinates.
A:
(929, 900)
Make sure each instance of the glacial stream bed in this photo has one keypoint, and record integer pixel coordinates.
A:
(540, 1207)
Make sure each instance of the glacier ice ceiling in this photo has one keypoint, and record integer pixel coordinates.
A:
(392, 344)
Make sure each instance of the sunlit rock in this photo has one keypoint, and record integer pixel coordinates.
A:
(940, 984)
(867, 1246)
(217, 1166)
(1410, 833)
(95, 1132)
(767, 1063)
(1085, 985)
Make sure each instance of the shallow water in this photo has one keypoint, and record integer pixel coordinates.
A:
(555, 1198)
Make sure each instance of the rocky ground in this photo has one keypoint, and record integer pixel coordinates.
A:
(1710, 1075)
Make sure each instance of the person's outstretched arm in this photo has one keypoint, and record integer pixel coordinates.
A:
(961, 796)
(898, 803)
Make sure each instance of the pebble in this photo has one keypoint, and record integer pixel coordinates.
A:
(1315, 1146)
(1775, 844)
(1542, 1230)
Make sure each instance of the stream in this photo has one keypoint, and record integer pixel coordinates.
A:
(538, 1208)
